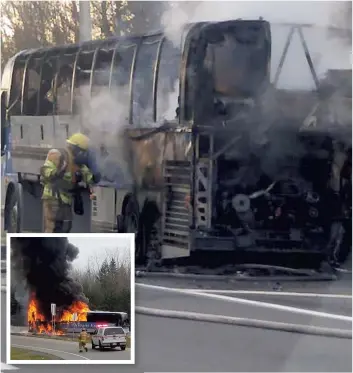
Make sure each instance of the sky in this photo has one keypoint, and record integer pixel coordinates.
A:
(93, 250)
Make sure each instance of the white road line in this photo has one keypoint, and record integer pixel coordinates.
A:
(249, 302)
(259, 292)
(7, 367)
(48, 349)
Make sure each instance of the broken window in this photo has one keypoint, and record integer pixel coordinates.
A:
(168, 82)
(16, 87)
(142, 111)
(46, 93)
(62, 94)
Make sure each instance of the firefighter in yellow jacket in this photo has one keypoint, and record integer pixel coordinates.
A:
(63, 171)
(82, 340)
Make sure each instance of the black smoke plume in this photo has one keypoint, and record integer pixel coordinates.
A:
(45, 264)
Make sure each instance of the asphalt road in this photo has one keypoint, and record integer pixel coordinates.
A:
(180, 302)
(67, 350)
(181, 345)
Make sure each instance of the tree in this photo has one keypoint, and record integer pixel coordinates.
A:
(107, 286)
(147, 15)
(103, 272)
(35, 24)
(112, 266)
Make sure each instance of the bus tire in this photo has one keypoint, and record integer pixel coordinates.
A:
(132, 224)
(13, 208)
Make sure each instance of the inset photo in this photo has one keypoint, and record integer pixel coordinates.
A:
(71, 298)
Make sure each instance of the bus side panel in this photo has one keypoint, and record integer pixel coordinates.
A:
(32, 137)
(103, 210)
(64, 126)
(160, 163)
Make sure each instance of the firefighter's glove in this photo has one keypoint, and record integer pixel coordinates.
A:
(78, 177)
(62, 169)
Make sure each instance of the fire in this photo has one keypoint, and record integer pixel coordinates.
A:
(78, 307)
(33, 312)
(37, 321)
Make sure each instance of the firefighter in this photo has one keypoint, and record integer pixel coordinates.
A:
(82, 340)
(61, 175)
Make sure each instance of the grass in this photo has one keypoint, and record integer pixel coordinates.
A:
(22, 354)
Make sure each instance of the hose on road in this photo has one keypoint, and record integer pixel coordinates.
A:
(234, 278)
(254, 323)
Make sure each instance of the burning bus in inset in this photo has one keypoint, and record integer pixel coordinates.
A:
(38, 323)
(66, 323)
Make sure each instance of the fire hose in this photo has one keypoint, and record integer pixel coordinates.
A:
(253, 323)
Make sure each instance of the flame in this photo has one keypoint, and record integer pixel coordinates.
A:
(44, 326)
(78, 307)
(33, 312)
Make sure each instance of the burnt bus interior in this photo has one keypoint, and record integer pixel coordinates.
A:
(54, 78)
(258, 179)
(264, 181)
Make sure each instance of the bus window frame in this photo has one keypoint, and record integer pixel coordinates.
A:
(73, 79)
(93, 65)
(122, 46)
(106, 46)
(55, 57)
(184, 78)
(156, 76)
(155, 68)
(112, 64)
(132, 76)
(3, 96)
(60, 56)
(169, 60)
(24, 89)
(46, 56)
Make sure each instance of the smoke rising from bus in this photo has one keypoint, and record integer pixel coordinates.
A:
(45, 265)
(106, 113)
(327, 50)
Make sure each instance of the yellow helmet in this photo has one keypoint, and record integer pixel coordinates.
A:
(80, 140)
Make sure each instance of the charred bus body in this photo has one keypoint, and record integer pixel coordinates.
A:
(95, 319)
(233, 170)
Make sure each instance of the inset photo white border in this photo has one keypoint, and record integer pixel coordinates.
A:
(82, 359)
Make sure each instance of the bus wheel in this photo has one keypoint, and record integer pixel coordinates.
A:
(12, 213)
(132, 225)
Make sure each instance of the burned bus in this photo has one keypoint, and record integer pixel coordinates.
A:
(199, 151)
(95, 319)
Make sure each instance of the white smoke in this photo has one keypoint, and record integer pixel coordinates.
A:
(105, 116)
(326, 52)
